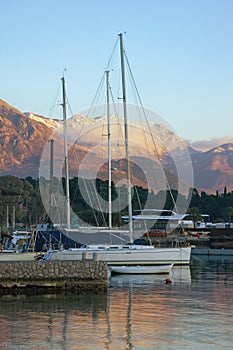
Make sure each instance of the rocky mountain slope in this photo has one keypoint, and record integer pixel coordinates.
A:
(21, 142)
(214, 169)
(24, 137)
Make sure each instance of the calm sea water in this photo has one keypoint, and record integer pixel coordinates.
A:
(195, 311)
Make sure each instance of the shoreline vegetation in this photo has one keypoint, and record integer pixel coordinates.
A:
(21, 202)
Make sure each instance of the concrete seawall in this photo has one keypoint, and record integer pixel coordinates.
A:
(52, 276)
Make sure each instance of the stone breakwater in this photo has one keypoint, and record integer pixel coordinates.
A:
(52, 276)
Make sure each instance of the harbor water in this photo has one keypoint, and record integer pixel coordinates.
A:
(195, 311)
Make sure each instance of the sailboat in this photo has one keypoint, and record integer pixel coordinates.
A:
(120, 254)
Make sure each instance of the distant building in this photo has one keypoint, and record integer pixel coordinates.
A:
(166, 220)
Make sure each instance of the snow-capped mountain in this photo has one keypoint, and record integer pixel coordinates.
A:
(24, 136)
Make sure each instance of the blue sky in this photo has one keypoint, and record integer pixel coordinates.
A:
(181, 54)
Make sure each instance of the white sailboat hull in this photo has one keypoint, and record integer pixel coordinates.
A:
(141, 269)
(126, 255)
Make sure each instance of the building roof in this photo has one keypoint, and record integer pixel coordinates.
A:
(175, 217)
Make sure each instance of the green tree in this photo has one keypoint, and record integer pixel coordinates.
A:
(228, 213)
(195, 214)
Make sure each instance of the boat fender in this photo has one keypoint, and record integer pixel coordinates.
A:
(167, 281)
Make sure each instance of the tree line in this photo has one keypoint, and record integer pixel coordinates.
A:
(20, 200)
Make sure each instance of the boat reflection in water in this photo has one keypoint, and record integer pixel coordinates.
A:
(139, 312)
(181, 274)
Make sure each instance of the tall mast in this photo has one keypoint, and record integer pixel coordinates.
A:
(126, 138)
(66, 154)
(51, 141)
(109, 156)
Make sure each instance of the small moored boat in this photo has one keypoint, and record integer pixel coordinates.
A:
(141, 269)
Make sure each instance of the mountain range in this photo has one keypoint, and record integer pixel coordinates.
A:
(24, 139)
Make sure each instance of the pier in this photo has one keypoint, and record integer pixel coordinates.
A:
(38, 277)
